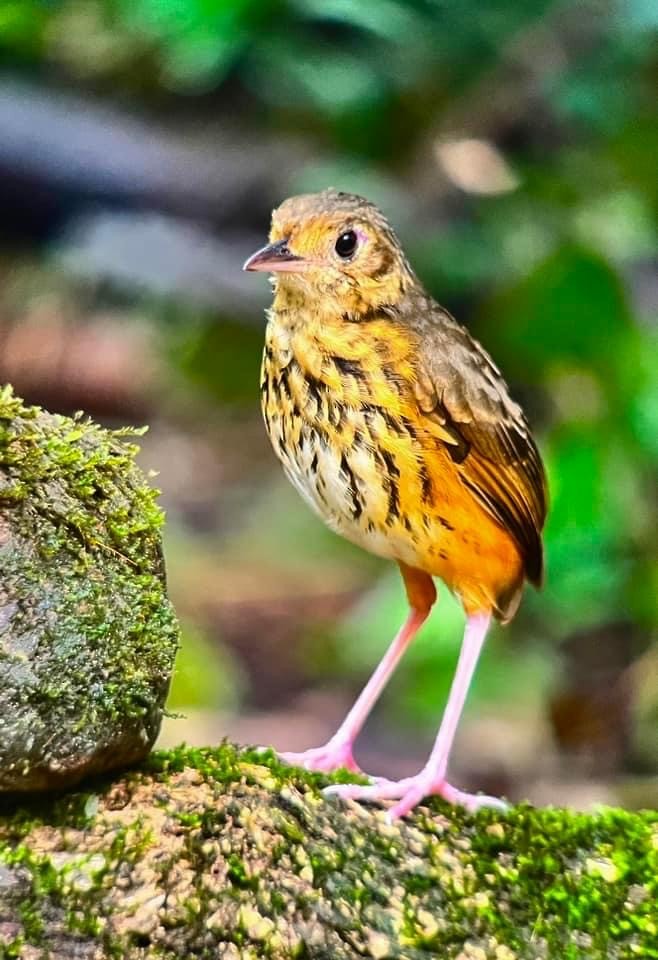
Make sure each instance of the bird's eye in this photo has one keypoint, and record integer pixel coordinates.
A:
(346, 244)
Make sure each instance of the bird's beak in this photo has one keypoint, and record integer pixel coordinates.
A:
(275, 258)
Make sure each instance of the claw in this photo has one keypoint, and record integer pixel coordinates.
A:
(380, 790)
(324, 759)
(409, 792)
(473, 801)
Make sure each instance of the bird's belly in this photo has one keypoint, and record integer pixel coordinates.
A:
(385, 492)
(354, 488)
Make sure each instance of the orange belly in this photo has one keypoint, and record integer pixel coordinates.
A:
(461, 543)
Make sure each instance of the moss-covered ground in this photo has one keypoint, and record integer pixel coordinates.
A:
(227, 853)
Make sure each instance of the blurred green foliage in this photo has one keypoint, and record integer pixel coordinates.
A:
(204, 676)
(555, 273)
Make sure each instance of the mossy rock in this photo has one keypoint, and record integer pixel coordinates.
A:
(88, 637)
(226, 854)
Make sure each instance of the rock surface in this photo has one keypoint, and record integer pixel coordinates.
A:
(227, 854)
(87, 635)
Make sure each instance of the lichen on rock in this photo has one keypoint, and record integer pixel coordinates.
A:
(87, 635)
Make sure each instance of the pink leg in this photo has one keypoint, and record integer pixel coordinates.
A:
(337, 752)
(431, 779)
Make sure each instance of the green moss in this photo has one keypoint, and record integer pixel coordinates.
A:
(90, 637)
(556, 877)
(228, 762)
(246, 852)
(545, 883)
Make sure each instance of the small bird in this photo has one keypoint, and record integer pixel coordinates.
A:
(397, 428)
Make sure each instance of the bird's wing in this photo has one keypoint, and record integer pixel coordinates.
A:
(485, 432)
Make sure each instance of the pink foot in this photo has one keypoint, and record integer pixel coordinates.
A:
(410, 791)
(326, 759)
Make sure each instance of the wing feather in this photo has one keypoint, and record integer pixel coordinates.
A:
(485, 432)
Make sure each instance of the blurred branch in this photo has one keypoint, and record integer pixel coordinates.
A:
(78, 144)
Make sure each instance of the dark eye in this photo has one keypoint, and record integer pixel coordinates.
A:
(346, 244)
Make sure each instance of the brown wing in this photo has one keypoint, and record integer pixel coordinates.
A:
(485, 432)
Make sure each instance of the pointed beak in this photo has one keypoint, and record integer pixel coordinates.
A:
(275, 258)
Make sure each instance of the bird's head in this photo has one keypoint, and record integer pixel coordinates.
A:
(334, 246)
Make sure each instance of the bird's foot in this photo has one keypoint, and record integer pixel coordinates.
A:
(410, 791)
(326, 759)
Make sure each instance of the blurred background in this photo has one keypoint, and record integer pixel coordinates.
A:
(143, 144)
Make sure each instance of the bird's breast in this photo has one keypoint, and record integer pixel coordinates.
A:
(339, 425)
(343, 419)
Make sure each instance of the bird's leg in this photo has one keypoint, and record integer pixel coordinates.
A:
(431, 779)
(337, 752)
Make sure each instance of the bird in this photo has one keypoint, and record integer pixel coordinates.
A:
(396, 427)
